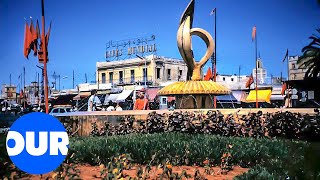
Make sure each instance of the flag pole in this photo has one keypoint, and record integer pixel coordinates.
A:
(257, 104)
(215, 54)
(287, 85)
(24, 87)
(45, 59)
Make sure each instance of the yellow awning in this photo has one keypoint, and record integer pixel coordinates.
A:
(194, 87)
(263, 96)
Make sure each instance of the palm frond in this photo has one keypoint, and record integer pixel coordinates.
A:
(310, 48)
(310, 58)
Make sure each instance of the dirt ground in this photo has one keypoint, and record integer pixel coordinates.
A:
(93, 172)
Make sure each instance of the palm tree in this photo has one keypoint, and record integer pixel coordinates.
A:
(311, 57)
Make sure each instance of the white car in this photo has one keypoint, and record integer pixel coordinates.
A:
(58, 110)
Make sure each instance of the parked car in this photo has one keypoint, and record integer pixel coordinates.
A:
(58, 110)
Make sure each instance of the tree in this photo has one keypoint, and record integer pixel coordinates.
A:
(311, 57)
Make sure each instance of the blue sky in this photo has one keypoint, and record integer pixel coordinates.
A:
(81, 29)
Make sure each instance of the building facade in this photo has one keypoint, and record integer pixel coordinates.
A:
(32, 94)
(150, 71)
(9, 92)
(295, 72)
(233, 82)
(261, 72)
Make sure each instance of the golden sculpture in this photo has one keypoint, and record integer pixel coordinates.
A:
(194, 93)
(185, 32)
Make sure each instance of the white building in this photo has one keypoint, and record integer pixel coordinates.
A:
(261, 72)
(295, 72)
(233, 82)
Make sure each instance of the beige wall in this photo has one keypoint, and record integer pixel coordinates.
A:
(138, 65)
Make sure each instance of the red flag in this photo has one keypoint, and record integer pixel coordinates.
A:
(27, 38)
(283, 89)
(250, 81)
(34, 37)
(38, 30)
(254, 33)
(208, 76)
(48, 35)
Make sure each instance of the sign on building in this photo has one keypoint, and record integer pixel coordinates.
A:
(124, 49)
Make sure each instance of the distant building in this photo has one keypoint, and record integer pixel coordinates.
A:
(296, 72)
(32, 94)
(261, 72)
(152, 71)
(9, 93)
(233, 82)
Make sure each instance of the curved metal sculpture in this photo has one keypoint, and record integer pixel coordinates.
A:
(184, 34)
(193, 93)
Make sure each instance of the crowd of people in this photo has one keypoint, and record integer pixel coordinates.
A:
(141, 103)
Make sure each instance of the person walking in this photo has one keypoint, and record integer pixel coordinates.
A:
(91, 101)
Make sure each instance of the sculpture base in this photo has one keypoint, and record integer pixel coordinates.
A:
(194, 101)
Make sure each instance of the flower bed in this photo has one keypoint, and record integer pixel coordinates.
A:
(284, 125)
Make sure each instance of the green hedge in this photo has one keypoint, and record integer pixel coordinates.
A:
(279, 158)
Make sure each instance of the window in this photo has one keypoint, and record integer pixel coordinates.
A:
(103, 77)
(164, 101)
(231, 79)
(120, 77)
(132, 75)
(110, 77)
(158, 73)
(145, 74)
(55, 111)
(293, 66)
(180, 75)
(168, 74)
(224, 79)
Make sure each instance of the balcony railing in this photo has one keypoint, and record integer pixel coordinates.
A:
(131, 80)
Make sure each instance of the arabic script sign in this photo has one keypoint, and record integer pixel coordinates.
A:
(116, 50)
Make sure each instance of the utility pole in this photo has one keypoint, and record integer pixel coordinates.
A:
(239, 73)
(59, 81)
(45, 58)
(41, 91)
(214, 56)
(85, 75)
(20, 83)
(256, 61)
(72, 79)
(24, 86)
(10, 79)
(24, 77)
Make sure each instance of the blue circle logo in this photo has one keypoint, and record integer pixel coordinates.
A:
(37, 143)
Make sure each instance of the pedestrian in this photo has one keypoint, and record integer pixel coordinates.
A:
(111, 107)
(118, 107)
(91, 101)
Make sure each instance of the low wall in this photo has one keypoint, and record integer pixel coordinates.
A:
(80, 122)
